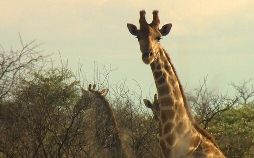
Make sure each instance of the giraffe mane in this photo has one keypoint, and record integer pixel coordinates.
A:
(110, 110)
(187, 107)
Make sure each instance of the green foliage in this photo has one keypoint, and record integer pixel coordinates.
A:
(36, 121)
(234, 131)
(54, 87)
(40, 120)
(17, 63)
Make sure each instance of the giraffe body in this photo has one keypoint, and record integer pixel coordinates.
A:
(107, 133)
(179, 135)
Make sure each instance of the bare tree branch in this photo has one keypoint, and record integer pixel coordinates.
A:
(244, 91)
(206, 104)
(14, 63)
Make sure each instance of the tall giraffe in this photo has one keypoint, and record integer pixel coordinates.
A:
(179, 135)
(108, 133)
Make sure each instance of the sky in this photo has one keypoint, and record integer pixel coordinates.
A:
(209, 39)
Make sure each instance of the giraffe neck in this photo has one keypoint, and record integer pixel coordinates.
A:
(175, 121)
(117, 149)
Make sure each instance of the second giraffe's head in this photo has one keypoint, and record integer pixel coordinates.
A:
(149, 35)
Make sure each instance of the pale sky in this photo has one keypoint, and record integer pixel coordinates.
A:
(208, 38)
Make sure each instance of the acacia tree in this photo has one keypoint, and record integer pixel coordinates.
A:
(230, 120)
(235, 126)
(13, 63)
(206, 105)
(245, 92)
(38, 121)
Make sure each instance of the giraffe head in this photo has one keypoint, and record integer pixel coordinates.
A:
(149, 36)
(93, 96)
(155, 107)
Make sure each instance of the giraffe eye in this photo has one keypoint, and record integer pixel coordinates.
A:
(158, 39)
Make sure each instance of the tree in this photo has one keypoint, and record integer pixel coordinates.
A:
(14, 63)
(245, 92)
(206, 105)
(234, 127)
(39, 120)
(138, 129)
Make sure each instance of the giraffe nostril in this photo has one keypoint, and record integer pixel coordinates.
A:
(145, 55)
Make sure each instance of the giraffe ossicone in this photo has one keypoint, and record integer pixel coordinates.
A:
(179, 135)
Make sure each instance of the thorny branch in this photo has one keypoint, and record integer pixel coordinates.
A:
(206, 105)
(14, 63)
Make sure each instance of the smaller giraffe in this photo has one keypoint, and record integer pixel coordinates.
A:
(107, 132)
(153, 106)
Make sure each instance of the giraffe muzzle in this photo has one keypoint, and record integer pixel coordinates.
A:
(147, 57)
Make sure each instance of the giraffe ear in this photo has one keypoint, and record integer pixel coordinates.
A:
(133, 29)
(165, 29)
(104, 92)
(147, 103)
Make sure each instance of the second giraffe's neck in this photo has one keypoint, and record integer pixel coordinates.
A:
(117, 148)
(175, 120)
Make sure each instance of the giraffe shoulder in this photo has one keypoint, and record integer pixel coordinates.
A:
(205, 133)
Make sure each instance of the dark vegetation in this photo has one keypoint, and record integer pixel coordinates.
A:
(43, 113)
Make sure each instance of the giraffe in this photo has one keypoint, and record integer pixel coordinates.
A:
(179, 135)
(153, 106)
(106, 122)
